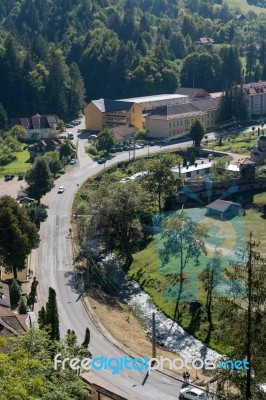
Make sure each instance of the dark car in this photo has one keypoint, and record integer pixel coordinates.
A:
(119, 148)
(20, 177)
(113, 150)
(126, 148)
(102, 160)
(151, 143)
(26, 200)
(9, 177)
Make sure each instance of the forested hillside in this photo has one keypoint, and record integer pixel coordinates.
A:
(55, 52)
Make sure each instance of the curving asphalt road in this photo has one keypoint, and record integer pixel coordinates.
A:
(55, 270)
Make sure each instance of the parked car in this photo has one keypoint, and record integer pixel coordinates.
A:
(137, 146)
(72, 161)
(151, 143)
(20, 177)
(70, 135)
(102, 160)
(166, 140)
(26, 200)
(113, 150)
(192, 394)
(9, 177)
(69, 126)
(125, 148)
(120, 148)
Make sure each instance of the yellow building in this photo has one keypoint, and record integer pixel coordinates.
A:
(104, 113)
(175, 121)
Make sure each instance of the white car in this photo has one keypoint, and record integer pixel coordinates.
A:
(61, 189)
(166, 140)
(192, 394)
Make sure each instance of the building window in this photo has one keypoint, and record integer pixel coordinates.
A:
(188, 174)
(177, 123)
(181, 122)
(170, 125)
(174, 124)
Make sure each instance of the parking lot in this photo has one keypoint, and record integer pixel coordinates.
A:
(11, 187)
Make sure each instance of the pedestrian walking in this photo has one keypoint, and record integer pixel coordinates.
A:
(187, 376)
(184, 377)
(70, 231)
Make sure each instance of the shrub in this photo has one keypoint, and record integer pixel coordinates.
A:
(92, 150)
(15, 293)
(22, 308)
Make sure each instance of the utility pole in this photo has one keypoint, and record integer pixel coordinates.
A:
(153, 336)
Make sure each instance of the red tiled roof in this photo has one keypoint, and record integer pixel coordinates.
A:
(124, 130)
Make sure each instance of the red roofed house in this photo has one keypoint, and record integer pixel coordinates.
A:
(45, 145)
(124, 132)
(255, 96)
(37, 123)
(10, 323)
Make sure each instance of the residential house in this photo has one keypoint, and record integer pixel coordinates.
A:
(45, 145)
(124, 133)
(105, 113)
(10, 323)
(175, 121)
(223, 209)
(193, 93)
(201, 167)
(43, 124)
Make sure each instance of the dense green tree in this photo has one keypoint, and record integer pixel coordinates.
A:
(18, 235)
(106, 140)
(27, 369)
(197, 132)
(244, 319)
(37, 213)
(15, 293)
(66, 149)
(117, 211)
(54, 162)
(3, 118)
(18, 132)
(160, 181)
(42, 318)
(76, 92)
(39, 178)
(57, 83)
(22, 307)
(51, 315)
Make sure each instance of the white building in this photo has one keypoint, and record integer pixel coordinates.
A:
(255, 96)
(199, 168)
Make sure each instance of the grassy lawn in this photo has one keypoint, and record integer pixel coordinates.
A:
(240, 144)
(160, 281)
(20, 165)
(244, 6)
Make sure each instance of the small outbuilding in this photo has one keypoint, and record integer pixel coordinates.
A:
(223, 209)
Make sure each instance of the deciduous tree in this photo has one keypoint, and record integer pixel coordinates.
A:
(18, 235)
(39, 178)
